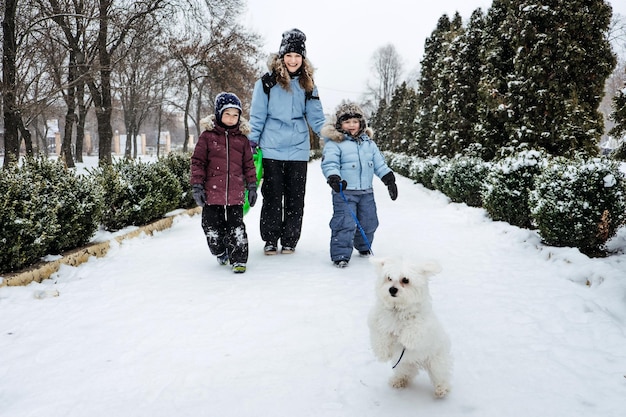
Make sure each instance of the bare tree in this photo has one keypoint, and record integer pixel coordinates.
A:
(26, 88)
(137, 81)
(222, 56)
(387, 68)
(69, 45)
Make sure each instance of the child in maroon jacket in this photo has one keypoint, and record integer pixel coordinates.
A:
(221, 170)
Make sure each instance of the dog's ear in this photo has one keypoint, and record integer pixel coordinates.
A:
(378, 262)
(430, 268)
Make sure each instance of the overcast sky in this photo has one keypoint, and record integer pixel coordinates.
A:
(342, 35)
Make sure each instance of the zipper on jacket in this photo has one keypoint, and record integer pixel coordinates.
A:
(227, 164)
(358, 151)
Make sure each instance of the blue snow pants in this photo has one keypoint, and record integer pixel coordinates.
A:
(345, 235)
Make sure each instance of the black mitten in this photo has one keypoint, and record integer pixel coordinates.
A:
(252, 194)
(199, 195)
(390, 181)
(335, 181)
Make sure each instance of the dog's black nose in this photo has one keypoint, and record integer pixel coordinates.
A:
(393, 291)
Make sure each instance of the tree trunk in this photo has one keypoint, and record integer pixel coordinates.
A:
(105, 135)
(70, 115)
(9, 71)
(80, 124)
(104, 107)
(28, 140)
(186, 116)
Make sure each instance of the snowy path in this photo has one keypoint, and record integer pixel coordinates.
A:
(158, 329)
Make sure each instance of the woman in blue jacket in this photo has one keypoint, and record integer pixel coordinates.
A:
(349, 163)
(285, 103)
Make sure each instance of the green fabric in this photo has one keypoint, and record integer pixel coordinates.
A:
(258, 164)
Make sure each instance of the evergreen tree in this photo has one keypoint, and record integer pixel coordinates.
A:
(427, 87)
(377, 123)
(446, 93)
(496, 57)
(562, 60)
(618, 115)
(407, 116)
(466, 72)
(394, 121)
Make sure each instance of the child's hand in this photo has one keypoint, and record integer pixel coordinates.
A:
(199, 195)
(252, 195)
(390, 181)
(336, 183)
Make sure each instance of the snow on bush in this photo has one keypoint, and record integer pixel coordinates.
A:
(398, 162)
(423, 170)
(462, 179)
(46, 209)
(508, 185)
(136, 193)
(178, 163)
(579, 203)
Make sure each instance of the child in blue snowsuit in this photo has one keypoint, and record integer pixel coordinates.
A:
(350, 160)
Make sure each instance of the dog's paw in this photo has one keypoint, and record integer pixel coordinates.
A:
(441, 390)
(398, 381)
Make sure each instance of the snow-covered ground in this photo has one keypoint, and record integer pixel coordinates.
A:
(158, 329)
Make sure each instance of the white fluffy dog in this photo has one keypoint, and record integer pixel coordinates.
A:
(403, 327)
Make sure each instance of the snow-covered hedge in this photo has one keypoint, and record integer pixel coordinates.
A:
(423, 170)
(576, 203)
(462, 179)
(136, 192)
(507, 187)
(46, 209)
(579, 203)
(400, 162)
(179, 164)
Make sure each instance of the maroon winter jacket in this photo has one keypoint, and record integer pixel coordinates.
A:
(222, 161)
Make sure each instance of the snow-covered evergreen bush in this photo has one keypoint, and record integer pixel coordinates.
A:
(579, 203)
(136, 193)
(78, 205)
(462, 179)
(398, 162)
(423, 170)
(179, 164)
(45, 209)
(507, 187)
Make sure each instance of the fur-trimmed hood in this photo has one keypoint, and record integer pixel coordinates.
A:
(277, 66)
(344, 111)
(208, 123)
(331, 132)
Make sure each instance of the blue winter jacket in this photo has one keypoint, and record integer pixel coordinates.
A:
(279, 121)
(355, 160)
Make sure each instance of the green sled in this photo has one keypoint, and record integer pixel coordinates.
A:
(258, 164)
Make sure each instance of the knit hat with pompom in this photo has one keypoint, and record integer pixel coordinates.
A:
(293, 41)
(225, 101)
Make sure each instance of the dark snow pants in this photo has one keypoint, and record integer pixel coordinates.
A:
(345, 235)
(225, 231)
(284, 184)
